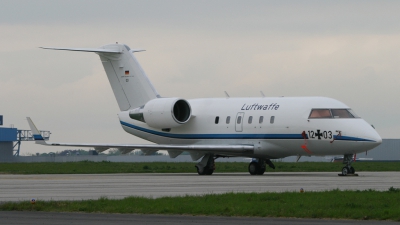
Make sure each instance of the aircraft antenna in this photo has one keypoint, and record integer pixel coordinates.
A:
(262, 94)
(227, 95)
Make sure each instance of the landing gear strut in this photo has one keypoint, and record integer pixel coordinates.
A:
(348, 169)
(206, 166)
(258, 166)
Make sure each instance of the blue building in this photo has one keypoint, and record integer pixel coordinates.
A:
(7, 138)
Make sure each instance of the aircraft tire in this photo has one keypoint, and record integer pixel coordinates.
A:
(345, 171)
(352, 170)
(261, 171)
(205, 171)
(253, 168)
(201, 172)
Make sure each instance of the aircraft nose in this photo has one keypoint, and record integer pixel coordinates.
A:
(374, 137)
(378, 139)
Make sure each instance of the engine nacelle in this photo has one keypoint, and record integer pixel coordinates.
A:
(163, 112)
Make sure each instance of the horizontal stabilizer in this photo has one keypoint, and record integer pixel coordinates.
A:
(130, 84)
(99, 50)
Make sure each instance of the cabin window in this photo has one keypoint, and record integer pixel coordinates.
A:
(320, 113)
(272, 119)
(250, 119)
(239, 120)
(341, 113)
(217, 120)
(261, 119)
(228, 120)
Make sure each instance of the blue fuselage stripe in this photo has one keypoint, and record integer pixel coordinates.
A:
(232, 136)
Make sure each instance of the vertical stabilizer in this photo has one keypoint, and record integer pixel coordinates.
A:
(131, 86)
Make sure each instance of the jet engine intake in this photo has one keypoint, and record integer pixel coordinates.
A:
(163, 112)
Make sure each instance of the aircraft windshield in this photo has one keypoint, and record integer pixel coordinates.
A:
(332, 113)
(353, 113)
(320, 113)
(341, 113)
(126, 46)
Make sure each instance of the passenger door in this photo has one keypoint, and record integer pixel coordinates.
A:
(239, 122)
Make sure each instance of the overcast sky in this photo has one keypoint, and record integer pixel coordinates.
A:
(347, 50)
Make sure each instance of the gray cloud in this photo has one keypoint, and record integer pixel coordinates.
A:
(235, 16)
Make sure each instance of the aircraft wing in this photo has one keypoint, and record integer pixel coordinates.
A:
(221, 149)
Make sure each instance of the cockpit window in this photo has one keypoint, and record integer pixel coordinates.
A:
(353, 113)
(320, 113)
(126, 46)
(341, 113)
(332, 113)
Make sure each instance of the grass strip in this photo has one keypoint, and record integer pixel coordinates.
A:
(87, 167)
(360, 205)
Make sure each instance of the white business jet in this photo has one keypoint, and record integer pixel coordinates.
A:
(208, 128)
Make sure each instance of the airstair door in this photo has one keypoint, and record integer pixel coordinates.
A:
(239, 122)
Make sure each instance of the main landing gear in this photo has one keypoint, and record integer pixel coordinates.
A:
(206, 166)
(348, 169)
(258, 166)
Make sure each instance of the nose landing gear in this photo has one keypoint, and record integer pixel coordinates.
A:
(348, 169)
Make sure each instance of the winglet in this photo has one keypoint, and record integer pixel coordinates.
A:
(36, 133)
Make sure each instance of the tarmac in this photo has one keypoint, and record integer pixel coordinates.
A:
(117, 186)
(52, 218)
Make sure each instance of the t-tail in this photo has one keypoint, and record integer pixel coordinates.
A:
(131, 86)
